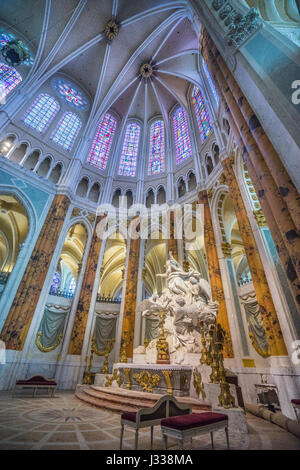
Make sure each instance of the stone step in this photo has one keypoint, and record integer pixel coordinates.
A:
(150, 397)
(114, 398)
(120, 400)
(103, 404)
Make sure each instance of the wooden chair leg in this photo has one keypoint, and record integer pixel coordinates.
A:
(121, 436)
(151, 437)
(136, 439)
(227, 437)
(296, 413)
(212, 439)
(165, 440)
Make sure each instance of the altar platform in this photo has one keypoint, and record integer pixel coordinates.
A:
(121, 400)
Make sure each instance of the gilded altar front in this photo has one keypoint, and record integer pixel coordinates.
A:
(156, 378)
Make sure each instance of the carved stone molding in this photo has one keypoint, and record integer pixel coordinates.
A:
(226, 249)
(260, 218)
(242, 27)
(111, 30)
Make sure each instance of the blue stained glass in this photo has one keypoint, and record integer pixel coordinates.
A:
(41, 112)
(70, 93)
(157, 148)
(130, 149)
(210, 81)
(67, 130)
(183, 148)
(9, 79)
(71, 286)
(55, 283)
(202, 115)
(102, 142)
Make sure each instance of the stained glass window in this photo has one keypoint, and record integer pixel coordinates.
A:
(41, 112)
(70, 290)
(157, 148)
(183, 147)
(67, 130)
(55, 283)
(101, 146)
(70, 93)
(5, 37)
(210, 81)
(202, 115)
(130, 149)
(9, 79)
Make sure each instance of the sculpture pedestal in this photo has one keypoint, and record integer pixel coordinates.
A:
(100, 379)
(213, 391)
(157, 378)
(236, 418)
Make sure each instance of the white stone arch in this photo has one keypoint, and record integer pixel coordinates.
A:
(158, 187)
(16, 146)
(28, 155)
(17, 272)
(41, 161)
(93, 183)
(150, 188)
(221, 189)
(84, 177)
(190, 172)
(55, 164)
(6, 135)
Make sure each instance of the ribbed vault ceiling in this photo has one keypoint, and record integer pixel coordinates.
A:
(67, 36)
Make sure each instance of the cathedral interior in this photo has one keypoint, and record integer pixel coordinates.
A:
(149, 219)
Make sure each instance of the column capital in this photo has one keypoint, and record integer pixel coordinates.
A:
(260, 218)
(226, 249)
(223, 154)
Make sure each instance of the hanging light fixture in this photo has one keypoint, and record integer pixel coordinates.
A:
(14, 52)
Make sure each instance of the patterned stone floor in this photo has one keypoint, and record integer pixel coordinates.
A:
(63, 422)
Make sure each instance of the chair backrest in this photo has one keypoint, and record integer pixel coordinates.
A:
(165, 407)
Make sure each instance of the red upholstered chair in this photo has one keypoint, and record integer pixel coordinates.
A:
(189, 426)
(166, 406)
(296, 405)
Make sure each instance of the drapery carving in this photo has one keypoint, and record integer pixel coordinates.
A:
(105, 328)
(50, 332)
(151, 329)
(256, 328)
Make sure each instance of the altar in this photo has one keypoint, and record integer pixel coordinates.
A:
(173, 379)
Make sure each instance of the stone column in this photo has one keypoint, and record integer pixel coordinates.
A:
(130, 295)
(216, 283)
(268, 192)
(269, 315)
(281, 177)
(291, 275)
(172, 245)
(81, 316)
(20, 316)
